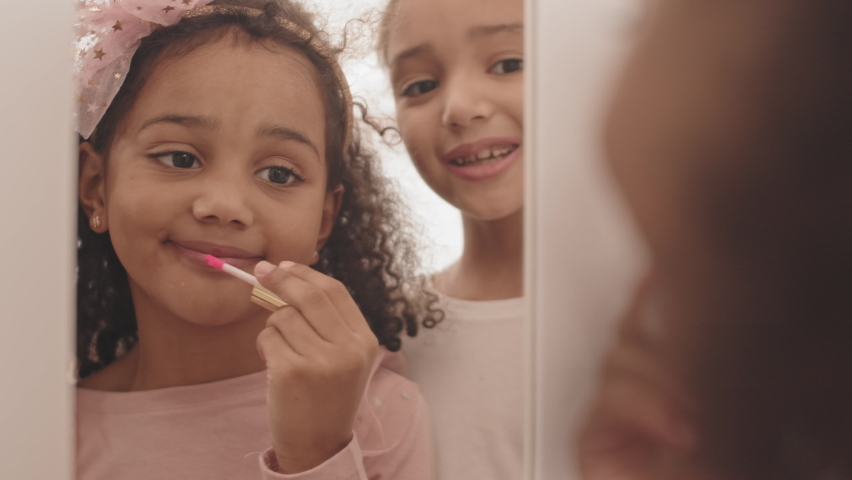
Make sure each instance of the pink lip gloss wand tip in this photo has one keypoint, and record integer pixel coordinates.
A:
(214, 262)
(259, 295)
(230, 269)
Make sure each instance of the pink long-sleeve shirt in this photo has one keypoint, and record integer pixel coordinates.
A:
(220, 430)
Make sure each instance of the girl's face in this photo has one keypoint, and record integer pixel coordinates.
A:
(223, 154)
(456, 73)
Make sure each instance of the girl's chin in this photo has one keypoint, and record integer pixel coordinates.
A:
(487, 202)
(486, 211)
(207, 318)
(211, 308)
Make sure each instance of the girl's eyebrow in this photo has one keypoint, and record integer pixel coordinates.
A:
(489, 30)
(287, 134)
(474, 33)
(410, 52)
(209, 123)
(189, 121)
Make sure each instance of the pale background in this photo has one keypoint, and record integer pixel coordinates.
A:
(439, 223)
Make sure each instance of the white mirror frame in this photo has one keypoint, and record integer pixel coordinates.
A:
(581, 254)
(37, 174)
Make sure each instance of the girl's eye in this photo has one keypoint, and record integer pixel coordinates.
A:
(279, 175)
(509, 65)
(419, 88)
(178, 159)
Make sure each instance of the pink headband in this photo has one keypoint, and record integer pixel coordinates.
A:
(110, 31)
(108, 35)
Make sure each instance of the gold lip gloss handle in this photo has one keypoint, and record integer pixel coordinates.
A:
(266, 299)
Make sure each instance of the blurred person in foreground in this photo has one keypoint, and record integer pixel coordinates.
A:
(731, 138)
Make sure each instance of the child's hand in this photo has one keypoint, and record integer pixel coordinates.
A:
(318, 353)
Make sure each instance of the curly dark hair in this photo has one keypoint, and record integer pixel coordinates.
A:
(370, 250)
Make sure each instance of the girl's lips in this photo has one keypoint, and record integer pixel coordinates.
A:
(485, 171)
(197, 251)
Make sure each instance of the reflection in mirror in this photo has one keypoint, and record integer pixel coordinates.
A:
(222, 133)
(729, 139)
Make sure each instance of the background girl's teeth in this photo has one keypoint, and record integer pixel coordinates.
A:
(485, 156)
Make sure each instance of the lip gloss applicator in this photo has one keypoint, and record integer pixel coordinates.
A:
(259, 295)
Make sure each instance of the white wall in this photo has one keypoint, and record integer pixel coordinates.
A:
(582, 256)
(36, 171)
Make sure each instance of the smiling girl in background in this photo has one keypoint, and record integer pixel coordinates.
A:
(456, 73)
(226, 129)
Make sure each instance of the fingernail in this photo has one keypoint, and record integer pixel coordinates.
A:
(286, 264)
(263, 268)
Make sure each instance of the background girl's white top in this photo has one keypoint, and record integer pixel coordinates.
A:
(470, 371)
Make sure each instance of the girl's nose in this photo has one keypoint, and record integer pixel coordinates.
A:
(223, 202)
(465, 104)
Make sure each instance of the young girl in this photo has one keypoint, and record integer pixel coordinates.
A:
(456, 73)
(226, 129)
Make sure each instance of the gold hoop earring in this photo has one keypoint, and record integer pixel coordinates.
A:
(316, 255)
(96, 222)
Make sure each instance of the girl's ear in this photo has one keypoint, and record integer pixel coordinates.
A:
(92, 187)
(330, 209)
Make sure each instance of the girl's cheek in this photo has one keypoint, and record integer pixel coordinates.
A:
(405, 119)
(418, 126)
(511, 98)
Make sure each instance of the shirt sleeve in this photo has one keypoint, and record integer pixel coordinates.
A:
(410, 459)
(347, 464)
